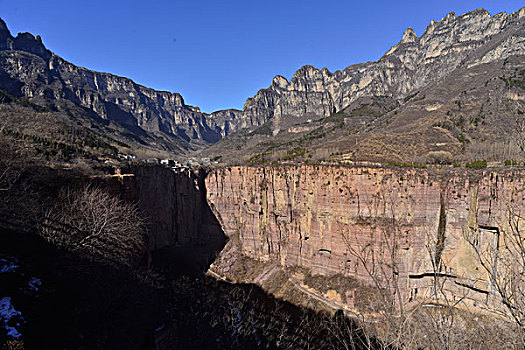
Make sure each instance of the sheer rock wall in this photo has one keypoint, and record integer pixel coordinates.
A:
(335, 221)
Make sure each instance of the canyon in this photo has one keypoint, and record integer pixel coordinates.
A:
(315, 234)
(328, 190)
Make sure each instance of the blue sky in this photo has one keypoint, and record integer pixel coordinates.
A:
(219, 53)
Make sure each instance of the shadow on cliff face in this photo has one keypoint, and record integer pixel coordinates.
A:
(184, 234)
(66, 301)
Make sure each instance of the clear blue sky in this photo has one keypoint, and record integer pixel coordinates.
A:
(218, 53)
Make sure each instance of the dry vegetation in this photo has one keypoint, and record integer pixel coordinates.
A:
(68, 134)
(444, 320)
(92, 223)
(480, 116)
(66, 209)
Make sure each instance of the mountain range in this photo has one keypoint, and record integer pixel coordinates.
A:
(455, 92)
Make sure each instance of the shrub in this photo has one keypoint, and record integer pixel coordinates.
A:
(407, 165)
(439, 157)
(477, 164)
(510, 162)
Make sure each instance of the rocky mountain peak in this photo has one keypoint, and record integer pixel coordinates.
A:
(408, 66)
(280, 81)
(29, 43)
(521, 13)
(6, 40)
(3, 26)
(449, 17)
(305, 71)
(473, 14)
(409, 36)
(23, 41)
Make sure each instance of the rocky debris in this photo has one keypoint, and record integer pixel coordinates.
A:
(33, 286)
(8, 264)
(10, 318)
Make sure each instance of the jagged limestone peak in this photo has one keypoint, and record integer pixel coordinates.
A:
(409, 36)
(326, 72)
(521, 13)
(448, 18)
(307, 69)
(476, 13)
(6, 39)
(280, 81)
(305, 72)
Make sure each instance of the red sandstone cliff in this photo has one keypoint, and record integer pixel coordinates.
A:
(339, 221)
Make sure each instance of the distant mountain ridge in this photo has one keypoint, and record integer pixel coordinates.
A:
(28, 69)
(410, 65)
(455, 94)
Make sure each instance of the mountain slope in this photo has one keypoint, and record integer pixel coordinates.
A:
(410, 65)
(375, 111)
(445, 91)
(28, 69)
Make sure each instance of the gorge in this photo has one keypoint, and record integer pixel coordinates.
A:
(293, 223)
(390, 192)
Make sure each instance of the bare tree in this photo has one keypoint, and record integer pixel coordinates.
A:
(515, 107)
(380, 259)
(501, 253)
(95, 224)
(520, 131)
(438, 320)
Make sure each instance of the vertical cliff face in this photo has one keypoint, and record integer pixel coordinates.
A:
(337, 221)
(174, 204)
(329, 232)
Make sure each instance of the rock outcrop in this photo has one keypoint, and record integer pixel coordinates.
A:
(340, 221)
(468, 40)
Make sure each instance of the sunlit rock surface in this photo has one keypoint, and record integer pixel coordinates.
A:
(346, 221)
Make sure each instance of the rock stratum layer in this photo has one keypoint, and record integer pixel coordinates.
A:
(340, 221)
